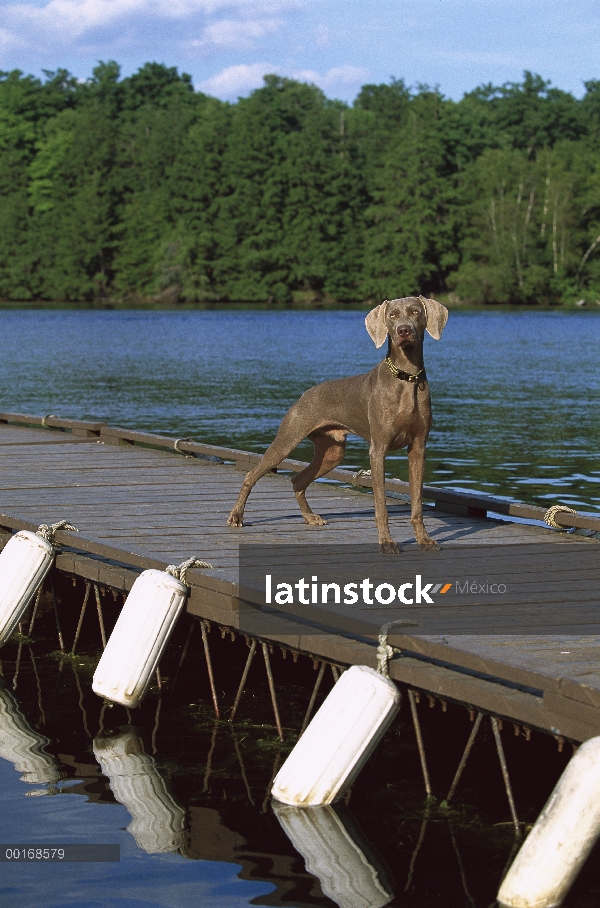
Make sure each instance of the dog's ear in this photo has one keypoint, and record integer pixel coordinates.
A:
(375, 324)
(437, 316)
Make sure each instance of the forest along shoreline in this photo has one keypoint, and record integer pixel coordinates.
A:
(582, 305)
(141, 188)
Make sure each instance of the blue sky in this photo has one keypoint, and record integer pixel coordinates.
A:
(228, 45)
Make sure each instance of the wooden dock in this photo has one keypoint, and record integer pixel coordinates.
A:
(142, 500)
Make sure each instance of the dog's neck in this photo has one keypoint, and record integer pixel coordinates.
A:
(409, 359)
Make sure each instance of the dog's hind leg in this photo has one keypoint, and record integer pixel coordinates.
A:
(330, 447)
(291, 432)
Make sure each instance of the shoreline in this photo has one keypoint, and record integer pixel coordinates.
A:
(151, 305)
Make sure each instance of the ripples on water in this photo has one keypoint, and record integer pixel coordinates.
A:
(516, 396)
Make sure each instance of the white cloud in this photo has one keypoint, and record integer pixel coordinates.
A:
(236, 80)
(344, 76)
(252, 8)
(73, 18)
(236, 34)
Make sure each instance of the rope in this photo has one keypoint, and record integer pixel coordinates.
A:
(49, 416)
(179, 571)
(47, 532)
(357, 476)
(551, 513)
(178, 449)
(384, 650)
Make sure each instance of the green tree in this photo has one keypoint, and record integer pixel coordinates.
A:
(532, 114)
(288, 215)
(189, 250)
(142, 186)
(524, 225)
(73, 204)
(410, 230)
(26, 106)
(152, 111)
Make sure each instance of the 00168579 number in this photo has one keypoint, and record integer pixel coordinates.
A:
(34, 853)
(18, 853)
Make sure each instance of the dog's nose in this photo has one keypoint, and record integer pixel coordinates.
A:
(404, 331)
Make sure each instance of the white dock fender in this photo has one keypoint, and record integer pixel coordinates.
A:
(24, 562)
(339, 740)
(334, 850)
(24, 747)
(567, 828)
(157, 820)
(141, 634)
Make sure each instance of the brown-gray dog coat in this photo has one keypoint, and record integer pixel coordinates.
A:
(389, 407)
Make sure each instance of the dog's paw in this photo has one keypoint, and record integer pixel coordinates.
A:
(235, 519)
(429, 545)
(389, 548)
(314, 520)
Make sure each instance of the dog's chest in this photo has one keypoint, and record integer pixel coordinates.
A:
(411, 419)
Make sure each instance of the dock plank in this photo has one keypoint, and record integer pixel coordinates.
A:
(10, 436)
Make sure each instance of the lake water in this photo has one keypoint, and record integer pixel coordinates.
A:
(186, 796)
(516, 402)
(516, 396)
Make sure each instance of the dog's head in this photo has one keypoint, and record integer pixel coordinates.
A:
(406, 320)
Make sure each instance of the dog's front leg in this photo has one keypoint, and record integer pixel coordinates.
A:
(377, 454)
(416, 473)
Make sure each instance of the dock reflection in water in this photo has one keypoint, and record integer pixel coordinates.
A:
(158, 821)
(334, 849)
(329, 840)
(197, 791)
(24, 747)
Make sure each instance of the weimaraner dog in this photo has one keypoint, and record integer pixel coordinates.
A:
(389, 407)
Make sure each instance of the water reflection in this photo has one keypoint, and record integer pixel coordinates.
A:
(187, 796)
(24, 747)
(158, 821)
(335, 850)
